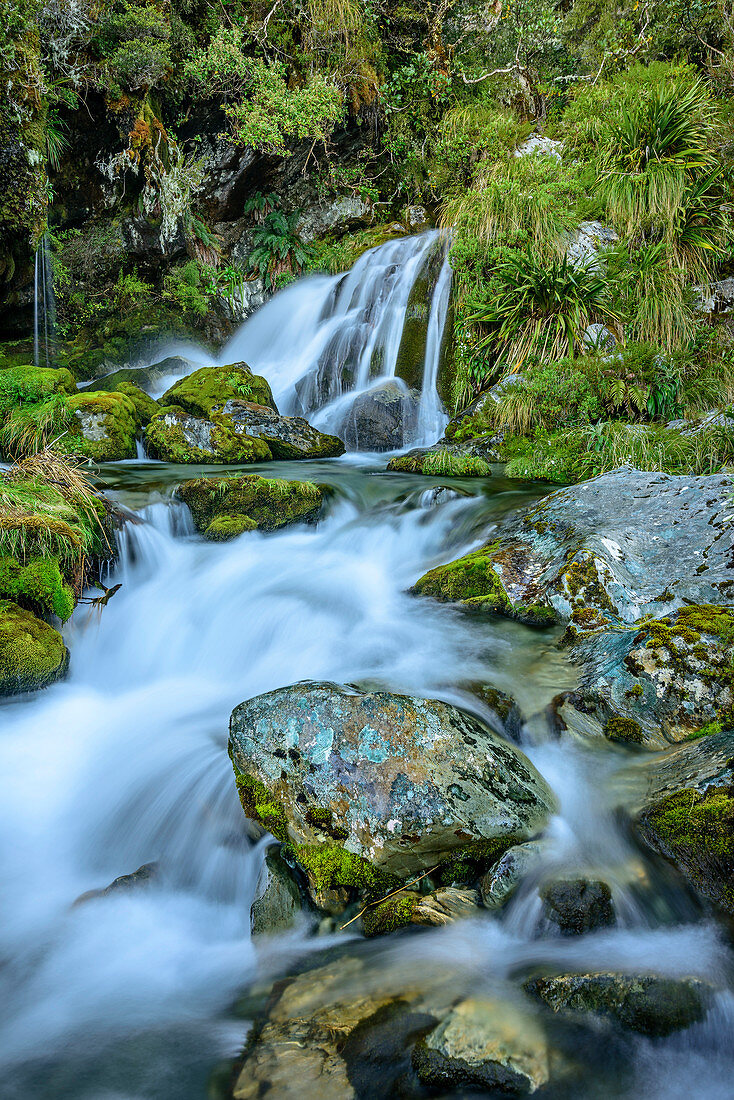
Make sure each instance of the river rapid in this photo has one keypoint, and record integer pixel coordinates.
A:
(133, 995)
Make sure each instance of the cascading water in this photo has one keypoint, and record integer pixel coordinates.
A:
(126, 996)
(325, 342)
(44, 306)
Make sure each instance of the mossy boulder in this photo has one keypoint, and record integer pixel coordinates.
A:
(225, 507)
(369, 786)
(145, 406)
(646, 1003)
(174, 435)
(443, 461)
(670, 680)
(103, 427)
(694, 829)
(208, 389)
(474, 582)
(32, 654)
(37, 584)
(27, 384)
(288, 437)
(149, 379)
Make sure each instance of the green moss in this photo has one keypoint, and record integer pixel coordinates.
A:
(465, 865)
(329, 867)
(261, 806)
(322, 818)
(584, 586)
(32, 653)
(208, 389)
(28, 385)
(37, 585)
(269, 503)
(104, 427)
(696, 831)
(169, 437)
(689, 624)
(390, 915)
(145, 406)
(472, 577)
(224, 527)
(624, 729)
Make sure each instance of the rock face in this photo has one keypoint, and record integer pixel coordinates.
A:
(381, 419)
(487, 1044)
(223, 508)
(577, 906)
(647, 1004)
(288, 437)
(688, 815)
(32, 653)
(400, 782)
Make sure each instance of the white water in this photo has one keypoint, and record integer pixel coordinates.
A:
(325, 340)
(44, 306)
(125, 763)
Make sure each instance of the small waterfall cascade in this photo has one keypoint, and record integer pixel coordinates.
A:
(44, 307)
(328, 344)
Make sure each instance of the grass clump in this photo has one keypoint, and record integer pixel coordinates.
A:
(445, 463)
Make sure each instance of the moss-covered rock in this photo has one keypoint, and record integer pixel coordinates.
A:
(390, 915)
(412, 351)
(208, 389)
(474, 582)
(442, 461)
(695, 830)
(225, 507)
(32, 653)
(145, 406)
(103, 427)
(646, 1003)
(27, 384)
(38, 585)
(288, 437)
(405, 781)
(176, 436)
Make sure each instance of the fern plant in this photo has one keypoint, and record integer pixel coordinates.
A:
(278, 247)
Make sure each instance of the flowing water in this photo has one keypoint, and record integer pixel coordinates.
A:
(130, 995)
(44, 307)
(327, 340)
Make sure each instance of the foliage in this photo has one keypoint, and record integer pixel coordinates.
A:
(191, 287)
(278, 247)
(540, 309)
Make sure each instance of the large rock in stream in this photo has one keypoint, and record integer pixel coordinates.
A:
(639, 567)
(367, 788)
(381, 419)
(224, 507)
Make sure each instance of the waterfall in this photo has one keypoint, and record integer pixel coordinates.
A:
(44, 307)
(327, 343)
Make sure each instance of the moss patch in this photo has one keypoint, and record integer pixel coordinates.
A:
(465, 865)
(37, 585)
(260, 806)
(103, 428)
(331, 867)
(208, 389)
(220, 506)
(175, 436)
(390, 915)
(27, 385)
(32, 653)
(696, 831)
(472, 577)
(625, 730)
(144, 404)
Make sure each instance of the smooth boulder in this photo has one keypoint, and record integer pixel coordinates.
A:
(399, 782)
(382, 419)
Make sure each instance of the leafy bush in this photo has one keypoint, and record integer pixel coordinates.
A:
(191, 288)
(540, 309)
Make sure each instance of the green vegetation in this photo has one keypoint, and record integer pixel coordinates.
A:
(390, 915)
(331, 867)
(226, 507)
(32, 653)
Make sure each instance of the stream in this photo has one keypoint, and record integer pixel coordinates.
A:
(130, 996)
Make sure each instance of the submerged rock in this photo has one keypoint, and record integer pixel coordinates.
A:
(368, 787)
(487, 1044)
(441, 907)
(223, 508)
(32, 654)
(577, 906)
(381, 419)
(125, 883)
(646, 1003)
